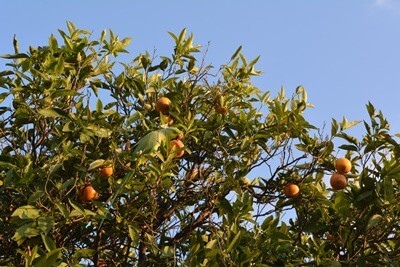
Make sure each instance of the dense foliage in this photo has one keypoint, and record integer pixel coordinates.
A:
(69, 110)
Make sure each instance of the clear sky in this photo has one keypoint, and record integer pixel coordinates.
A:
(344, 53)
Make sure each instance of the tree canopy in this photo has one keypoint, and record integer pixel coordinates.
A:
(97, 170)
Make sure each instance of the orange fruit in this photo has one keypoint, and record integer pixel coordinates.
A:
(170, 120)
(163, 105)
(338, 181)
(175, 146)
(107, 171)
(342, 165)
(221, 110)
(291, 190)
(87, 194)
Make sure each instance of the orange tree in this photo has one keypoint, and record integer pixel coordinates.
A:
(97, 170)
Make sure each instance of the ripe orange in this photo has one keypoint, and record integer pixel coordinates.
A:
(163, 104)
(107, 171)
(176, 145)
(87, 194)
(291, 190)
(338, 181)
(342, 165)
(221, 110)
(170, 120)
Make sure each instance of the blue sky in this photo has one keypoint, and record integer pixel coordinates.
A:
(344, 53)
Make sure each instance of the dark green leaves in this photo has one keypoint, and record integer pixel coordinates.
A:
(342, 204)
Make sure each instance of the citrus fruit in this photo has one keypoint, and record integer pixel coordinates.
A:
(176, 147)
(338, 181)
(221, 110)
(342, 165)
(107, 171)
(291, 190)
(170, 120)
(87, 194)
(163, 105)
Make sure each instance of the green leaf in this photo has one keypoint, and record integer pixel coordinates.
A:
(25, 231)
(45, 224)
(49, 259)
(342, 204)
(348, 138)
(6, 73)
(236, 53)
(234, 243)
(182, 36)
(84, 138)
(54, 113)
(35, 196)
(3, 96)
(103, 35)
(68, 127)
(267, 222)
(26, 212)
(99, 105)
(48, 243)
(71, 27)
(7, 165)
(133, 233)
(126, 41)
(14, 56)
(60, 66)
(168, 252)
(225, 206)
(96, 164)
(211, 243)
(346, 124)
(150, 143)
(53, 43)
(349, 147)
(63, 92)
(371, 109)
(280, 236)
(95, 130)
(80, 211)
(62, 209)
(334, 127)
(173, 36)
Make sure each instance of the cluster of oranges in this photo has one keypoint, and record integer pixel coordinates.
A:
(87, 193)
(175, 146)
(338, 181)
